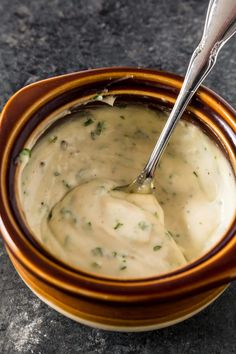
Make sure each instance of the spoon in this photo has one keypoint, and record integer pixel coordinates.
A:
(220, 25)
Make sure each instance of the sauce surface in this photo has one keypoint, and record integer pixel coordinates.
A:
(66, 184)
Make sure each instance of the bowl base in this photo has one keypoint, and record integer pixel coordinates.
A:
(58, 303)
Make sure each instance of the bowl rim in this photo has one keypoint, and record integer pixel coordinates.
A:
(66, 80)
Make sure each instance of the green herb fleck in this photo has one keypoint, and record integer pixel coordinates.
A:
(118, 225)
(89, 224)
(139, 134)
(24, 152)
(53, 139)
(114, 253)
(65, 211)
(143, 225)
(95, 265)
(64, 144)
(98, 130)
(123, 267)
(50, 215)
(195, 173)
(97, 251)
(56, 173)
(66, 184)
(98, 97)
(157, 248)
(169, 234)
(122, 117)
(88, 122)
(66, 240)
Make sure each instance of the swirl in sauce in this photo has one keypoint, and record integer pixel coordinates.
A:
(67, 198)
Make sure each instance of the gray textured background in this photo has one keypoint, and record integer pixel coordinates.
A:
(44, 38)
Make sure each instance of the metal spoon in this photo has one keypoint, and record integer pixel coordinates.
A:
(220, 25)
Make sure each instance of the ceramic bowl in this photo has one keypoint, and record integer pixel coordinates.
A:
(131, 305)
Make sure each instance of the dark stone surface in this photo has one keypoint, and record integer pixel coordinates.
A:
(44, 38)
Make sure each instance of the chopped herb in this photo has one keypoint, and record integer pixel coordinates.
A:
(66, 240)
(143, 225)
(56, 173)
(50, 215)
(53, 139)
(65, 211)
(64, 144)
(169, 234)
(24, 152)
(95, 265)
(157, 248)
(114, 254)
(66, 184)
(123, 267)
(98, 130)
(98, 97)
(139, 134)
(177, 235)
(87, 225)
(97, 251)
(122, 117)
(170, 176)
(119, 224)
(195, 173)
(88, 122)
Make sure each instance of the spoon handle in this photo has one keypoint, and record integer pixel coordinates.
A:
(220, 25)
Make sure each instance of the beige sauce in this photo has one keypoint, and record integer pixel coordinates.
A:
(67, 197)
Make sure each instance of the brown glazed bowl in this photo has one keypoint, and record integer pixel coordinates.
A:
(125, 305)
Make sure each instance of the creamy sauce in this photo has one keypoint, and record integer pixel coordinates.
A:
(66, 190)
